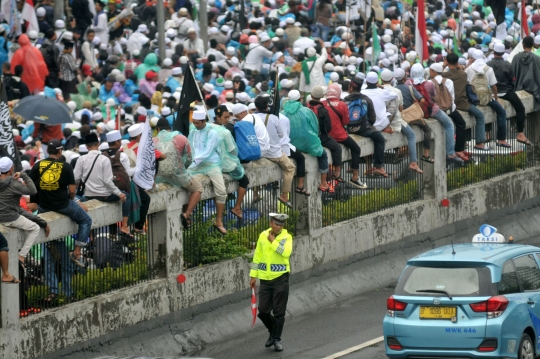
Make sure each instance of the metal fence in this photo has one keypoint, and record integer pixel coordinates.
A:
(402, 185)
(484, 165)
(203, 244)
(110, 261)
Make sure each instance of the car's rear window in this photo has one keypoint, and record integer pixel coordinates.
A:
(457, 281)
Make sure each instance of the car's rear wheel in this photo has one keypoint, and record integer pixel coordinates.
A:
(526, 347)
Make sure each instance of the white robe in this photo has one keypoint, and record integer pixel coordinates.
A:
(316, 75)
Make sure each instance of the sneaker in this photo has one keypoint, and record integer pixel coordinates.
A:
(78, 262)
(359, 184)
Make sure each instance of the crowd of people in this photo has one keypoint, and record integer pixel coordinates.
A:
(332, 70)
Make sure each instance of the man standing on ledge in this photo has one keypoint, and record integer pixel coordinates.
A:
(271, 266)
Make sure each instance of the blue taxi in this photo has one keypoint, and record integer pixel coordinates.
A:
(474, 300)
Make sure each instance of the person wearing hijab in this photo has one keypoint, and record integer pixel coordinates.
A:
(31, 59)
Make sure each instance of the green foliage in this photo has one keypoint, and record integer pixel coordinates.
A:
(369, 202)
(492, 167)
(203, 244)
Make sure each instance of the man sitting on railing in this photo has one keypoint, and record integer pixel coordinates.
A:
(173, 169)
(55, 183)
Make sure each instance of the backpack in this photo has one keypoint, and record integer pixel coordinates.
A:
(443, 98)
(481, 87)
(246, 140)
(120, 177)
(358, 112)
(428, 103)
(325, 124)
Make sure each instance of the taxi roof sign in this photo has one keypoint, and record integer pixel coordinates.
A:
(488, 234)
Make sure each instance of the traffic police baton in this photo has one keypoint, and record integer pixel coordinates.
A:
(253, 306)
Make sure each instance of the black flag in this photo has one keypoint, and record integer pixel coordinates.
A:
(242, 16)
(498, 7)
(7, 142)
(273, 104)
(190, 93)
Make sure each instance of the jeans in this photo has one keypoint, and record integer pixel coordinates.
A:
(448, 129)
(501, 119)
(323, 30)
(461, 130)
(515, 101)
(355, 152)
(378, 146)
(480, 124)
(335, 149)
(66, 266)
(79, 216)
(322, 160)
(411, 139)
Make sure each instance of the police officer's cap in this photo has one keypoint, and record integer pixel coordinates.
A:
(279, 218)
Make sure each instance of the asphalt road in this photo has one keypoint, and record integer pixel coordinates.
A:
(317, 334)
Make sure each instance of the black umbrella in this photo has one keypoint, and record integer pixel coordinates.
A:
(46, 110)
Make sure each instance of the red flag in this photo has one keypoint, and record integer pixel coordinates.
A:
(524, 23)
(421, 35)
(29, 15)
(253, 306)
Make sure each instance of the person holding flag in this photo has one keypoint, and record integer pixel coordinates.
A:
(271, 266)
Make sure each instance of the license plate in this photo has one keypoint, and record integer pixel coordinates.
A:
(437, 312)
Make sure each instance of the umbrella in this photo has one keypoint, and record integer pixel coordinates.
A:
(46, 110)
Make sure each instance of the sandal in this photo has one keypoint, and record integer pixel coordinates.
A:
(381, 174)
(486, 149)
(23, 314)
(324, 190)
(417, 170)
(128, 235)
(34, 310)
(234, 214)
(76, 260)
(428, 159)
(526, 142)
(463, 157)
(13, 280)
(220, 229)
(186, 222)
(256, 200)
(504, 145)
(302, 191)
(140, 232)
(285, 203)
(369, 172)
(338, 179)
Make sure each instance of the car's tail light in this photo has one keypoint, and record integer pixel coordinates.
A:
(494, 306)
(488, 345)
(393, 305)
(393, 343)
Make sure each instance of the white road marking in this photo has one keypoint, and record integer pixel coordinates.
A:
(355, 348)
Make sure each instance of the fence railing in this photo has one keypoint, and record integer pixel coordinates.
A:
(484, 165)
(110, 261)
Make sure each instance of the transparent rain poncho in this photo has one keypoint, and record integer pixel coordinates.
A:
(86, 93)
(230, 163)
(206, 147)
(304, 128)
(173, 169)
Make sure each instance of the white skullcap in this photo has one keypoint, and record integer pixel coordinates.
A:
(190, 30)
(83, 149)
(242, 97)
(297, 50)
(72, 105)
(399, 74)
(387, 38)
(334, 76)
(184, 60)
(135, 130)
(231, 50)
(103, 146)
(386, 75)
(228, 84)
(176, 71)
(499, 47)
(234, 61)
(165, 111)
(311, 52)
(208, 87)
(110, 102)
(372, 78)
(214, 30)
(289, 21)
(199, 115)
(154, 121)
(40, 12)
(113, 135)
(170, 33)
(32, 34)
(280, 32)
(478, 54)
(5, 164)
(264, 37)
(225, 29)
(329, 67)
(353, 60)
(97, 116)
(386, 62)
(141, 111)
(437, 67)
(142, 28)
(239, 108)
(294, 95)
(26, 165)
(167, 62)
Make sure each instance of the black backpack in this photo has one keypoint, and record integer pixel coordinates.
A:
(325, 124)
(120, 176)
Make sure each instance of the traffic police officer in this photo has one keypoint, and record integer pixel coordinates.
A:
(271, 266)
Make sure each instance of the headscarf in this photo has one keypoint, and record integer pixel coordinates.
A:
(417, 74)
(333, 91)
(31, 59)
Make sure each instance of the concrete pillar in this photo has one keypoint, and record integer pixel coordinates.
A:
(161, 29)
(203, 23)
(311, 207)
(435, 174)
(10, 301)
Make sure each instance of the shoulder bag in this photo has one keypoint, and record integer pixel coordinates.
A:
(414, 113)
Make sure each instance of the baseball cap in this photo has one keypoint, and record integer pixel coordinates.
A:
(54, 145)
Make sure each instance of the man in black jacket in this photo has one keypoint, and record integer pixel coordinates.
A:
(506, 88)
(50, 53)
(15, 88)
(365, 129)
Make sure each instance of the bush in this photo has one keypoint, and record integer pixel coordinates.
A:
(492, 167)
(369, 202)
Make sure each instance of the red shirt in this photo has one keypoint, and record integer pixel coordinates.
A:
(338, 132)
(49, 132)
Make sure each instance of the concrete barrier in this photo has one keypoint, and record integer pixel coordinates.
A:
(315, 249)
